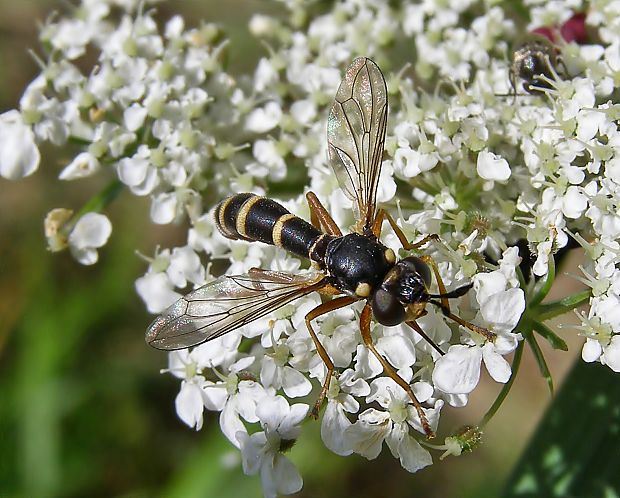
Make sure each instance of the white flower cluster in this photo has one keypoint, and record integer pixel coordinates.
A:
(160, 115)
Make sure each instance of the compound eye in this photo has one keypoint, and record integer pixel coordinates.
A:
(387, 309)
(420, 267)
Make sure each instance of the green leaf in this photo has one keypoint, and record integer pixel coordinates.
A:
(550, 336)
(576, 448)
(548, 311)
(540, 359)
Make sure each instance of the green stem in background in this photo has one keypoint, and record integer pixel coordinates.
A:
(516, 362)
(521, 279)
(103, 199)
(544, 289)
(96, 204)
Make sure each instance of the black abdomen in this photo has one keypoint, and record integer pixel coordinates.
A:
(250, 217)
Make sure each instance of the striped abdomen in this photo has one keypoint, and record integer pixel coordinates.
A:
(250, 217)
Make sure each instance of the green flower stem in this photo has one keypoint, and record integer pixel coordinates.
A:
(103, 199)
(97, 203)
(516, 362)
(544, 289)
(78, 141)
(551, 310)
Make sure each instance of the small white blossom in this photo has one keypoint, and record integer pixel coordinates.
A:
(492, 167)
(158, 112)
(84, 165)
(262, 451)
(19, 154)
(89, 234)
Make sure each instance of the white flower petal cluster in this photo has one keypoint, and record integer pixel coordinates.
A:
(160, 115)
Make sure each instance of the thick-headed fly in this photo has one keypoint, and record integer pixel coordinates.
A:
(351, 267)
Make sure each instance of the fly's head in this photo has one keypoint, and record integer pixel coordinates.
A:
(405, 284)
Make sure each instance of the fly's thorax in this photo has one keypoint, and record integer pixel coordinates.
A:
(357, 264)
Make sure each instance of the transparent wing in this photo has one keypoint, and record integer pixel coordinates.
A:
(356, 135)
(226, 304)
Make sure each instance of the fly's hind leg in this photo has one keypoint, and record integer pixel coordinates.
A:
(322, 309)
(382, 215)
(391, 372)
(319, 216)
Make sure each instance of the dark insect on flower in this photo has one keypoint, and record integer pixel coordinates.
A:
(536, 61)
(352, 267)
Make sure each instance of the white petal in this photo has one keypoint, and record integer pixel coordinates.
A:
(132, 170)
(84, 165)
(497, 366)
(134, 117)
(85, 256)
(269, 373)
(504, 309)
(286, 476)
(156, 291)
(189, 405)
(458, 371)
(398, 350)
(264, 119)
(272, 410)
(492, 167)
(366, 364)
(19, 155)
(303, 111)
(250, 394)
(367, 434)
(333, 427)
(591, 351)
(422, 390)
(252, 450)
(574, 202)
(215, 396)
(289, 427)
(164, 208)
(267, 477)
(231, 424)
(611, 355)
(411, 455)
(487, 284)
(387, 186)
(294, 383)
(91, 230)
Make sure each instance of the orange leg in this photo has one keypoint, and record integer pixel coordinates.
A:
(442, 288)
(319, 216)
(382, 215)
(445, 305)
(322, 309)
(414, 325)
(390, 371)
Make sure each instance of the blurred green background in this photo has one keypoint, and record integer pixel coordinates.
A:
(83, 408)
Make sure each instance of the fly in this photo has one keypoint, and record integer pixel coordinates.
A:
(352, 267)
(535, 60)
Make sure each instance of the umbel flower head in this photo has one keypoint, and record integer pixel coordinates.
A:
(468, 160)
